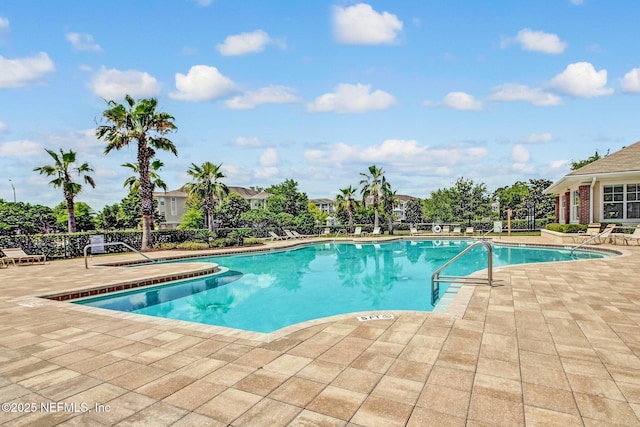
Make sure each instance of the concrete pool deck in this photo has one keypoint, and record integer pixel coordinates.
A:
(551, 344)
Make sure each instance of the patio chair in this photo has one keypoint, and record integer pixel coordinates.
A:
(357, 232)
(600, 238)
(446, 229)
(300, 236)
(413, 231)
(469, 231)
(17, 254)
(326, 232)
(634, 237)
(3, 264)
(592, 230)
(275, 236)
(376, 231)
(457, 231)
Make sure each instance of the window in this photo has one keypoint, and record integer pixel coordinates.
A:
(174, 206)
(161, 201)
(575, 205)
(633, 201)
(621, 201)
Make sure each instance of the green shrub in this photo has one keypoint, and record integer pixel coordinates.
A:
(253, 241)
(566, 228)
(192, 246)
(167, 246)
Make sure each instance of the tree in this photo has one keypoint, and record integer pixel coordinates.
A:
(347, 202)
(289, 199)
(413, 211)
(84, 216)
(25, 218)
(108, 218)
(388, 200)
(469, 200)
(371, 187)
(133, 182)
(438, 206)
(580, 163)
(62, 169)
(319, 216)
(193, 219)
(207, 187)
(512, 198)
(257, 218)
(231, 209)
(139, 123)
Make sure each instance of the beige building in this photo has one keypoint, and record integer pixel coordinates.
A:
(172, 204)
(607, 190)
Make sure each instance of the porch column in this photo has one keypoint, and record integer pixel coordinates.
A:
(585, 204)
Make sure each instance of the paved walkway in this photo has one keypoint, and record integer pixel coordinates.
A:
(553, 344)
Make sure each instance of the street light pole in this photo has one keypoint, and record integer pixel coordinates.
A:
(14, 190)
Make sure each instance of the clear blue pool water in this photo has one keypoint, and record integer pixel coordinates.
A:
(266, 291)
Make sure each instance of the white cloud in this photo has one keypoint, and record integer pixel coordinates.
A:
(252, 142)
(558, 164)
(538, 138)
(21, 72)
(3, 127)
(630, 83)
(538, 41)
(22, 148)
(582, 80)
(202, 83)
(461, 101)
(269, 158)
(406, 155)
(84, 142)
(517, 92)
(266, 95)
(350, 98)
(519, 154)
(115, 84)
(81, 41)
(360, 24)
(244, 43)
(4, 28)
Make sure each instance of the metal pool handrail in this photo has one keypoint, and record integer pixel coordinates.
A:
(90, 245)
(436, 278)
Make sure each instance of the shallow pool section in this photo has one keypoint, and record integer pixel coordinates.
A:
(266, 291)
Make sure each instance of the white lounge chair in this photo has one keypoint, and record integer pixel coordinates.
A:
(357, 232)
(446, 229)
(469, 231)
(376, 231)
(592, 230)
(633, 237)
(275, 236)
(301, 236)
(457, 231)
(17, 254)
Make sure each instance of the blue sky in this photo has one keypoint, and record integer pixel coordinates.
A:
(317, 91)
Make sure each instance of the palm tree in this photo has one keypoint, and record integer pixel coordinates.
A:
(206, 187)
(388, 200)
(140, 122)
(371, 187)
(347, 201)
(62, 169)
(133, 182)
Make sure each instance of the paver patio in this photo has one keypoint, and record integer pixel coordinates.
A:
(551, 344)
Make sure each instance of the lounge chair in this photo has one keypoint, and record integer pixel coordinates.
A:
(326, 232)
(300, 236)
(634, 237)
(446, 229)
(592, 230)
(3, 264)
(457, 231)
(17, 254)
(413, 231)
(600, 238)
(376, 231)
(469, 231)
(357, 232)
(275, 236)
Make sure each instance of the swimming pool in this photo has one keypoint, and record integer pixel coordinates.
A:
(266, 291)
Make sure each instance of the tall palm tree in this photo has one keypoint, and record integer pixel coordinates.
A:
(139, 123)
(388, 200)
(133, 182)
(207, 187)
(63, 169)
(347, 201)
(371, 187)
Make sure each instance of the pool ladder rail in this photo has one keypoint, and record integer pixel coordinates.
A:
(92, 245)
(436, 277)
